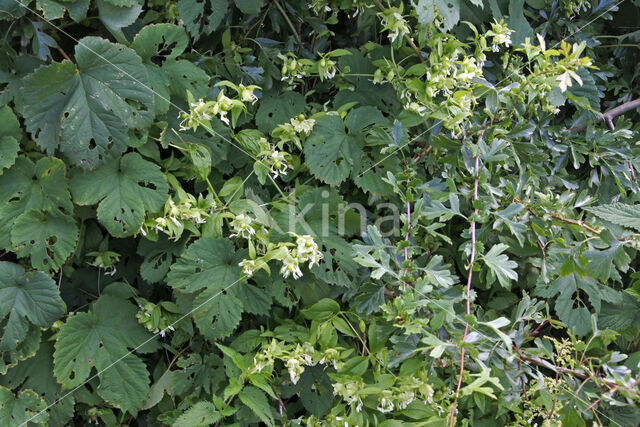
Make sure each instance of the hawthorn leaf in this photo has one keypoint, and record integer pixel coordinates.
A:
(101, 338)
(500, 266)
(27, 299)
(126, 189)
(618, 213)
(48, 238)
(87, 111)
(200, 414)
(25, 408)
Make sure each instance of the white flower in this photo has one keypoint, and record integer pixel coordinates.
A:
(304, 125)
(295, 367)
(291, 266)
(386, 405)
(241, 224)
(307, 250)
(247, 95)
(278, 163)
(248, 266)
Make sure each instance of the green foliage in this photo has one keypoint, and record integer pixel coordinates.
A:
(249, 212)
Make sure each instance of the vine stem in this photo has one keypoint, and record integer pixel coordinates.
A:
(406, 238)
(469, 277)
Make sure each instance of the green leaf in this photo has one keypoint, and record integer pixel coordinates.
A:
(26, 298)
(54, 9)
(196, 20)
(212, 265)
(277, 109)
(86, 112)
(249, 7)
(49, 238)
(500, 266)
(619, 214)
(329, 151)
(10, 134)
(518, 23)
(26, 407)
(101, 339)
(206, 263)
(126, 189)
(36, 373)
(200, 414)
(322, 310)
(25, 350)
(256, 400)
(116, 17)
(24, 186)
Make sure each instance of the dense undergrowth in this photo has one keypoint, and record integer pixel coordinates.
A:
(319, 213)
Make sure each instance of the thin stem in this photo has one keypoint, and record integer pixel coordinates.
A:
(468, 295)
(406, 238)
(286, 18)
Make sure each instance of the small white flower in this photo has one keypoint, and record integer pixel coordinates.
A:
(241, 224)
(307, 250)
(291, 266)
(248, 266)
(386, 405)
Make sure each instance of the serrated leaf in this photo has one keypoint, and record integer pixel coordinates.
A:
(329, 151)
(24, 186)
(26, 298)
(206, 263)
(619, 214)
(54, 9)
(256, 400)
(10, 134)
(36, 373)
(500, 266)
(196, 20)
(126, 189)
(116, 17)
(87, 111)
(48, 238)
(26, 407)
(212, 265)
(25, 350)
(101, 339)
(200, 414)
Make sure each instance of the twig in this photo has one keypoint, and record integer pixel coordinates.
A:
(620, 109)
(524, 389)
(582, 224)
(406, 238)
(63, 53)
(611, 114)
(469, 277)
(406, 37)
(538, 329)
(286, 18)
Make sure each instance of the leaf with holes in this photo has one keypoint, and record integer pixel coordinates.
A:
(101, 339)
(27, 299)
(48, 238)
(212, 265)
(86, 112)
(25, 408)
(329, 151)
(24, 186)
(126, 189)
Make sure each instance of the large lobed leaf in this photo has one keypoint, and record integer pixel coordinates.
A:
(26, 298)
(125, 189)
(86, 111)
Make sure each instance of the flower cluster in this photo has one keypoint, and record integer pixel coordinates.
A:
(157, 318)
(294, 356)
(294, 68)
(187, 213)
(242, 227)
(201, 112)
(394, 22)
(298, 128)
(306, 251)
(500, 35)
